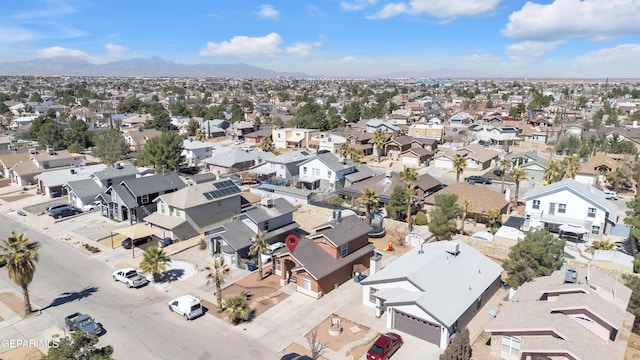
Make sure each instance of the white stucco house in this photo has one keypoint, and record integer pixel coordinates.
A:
(325, 171)
(194, 151)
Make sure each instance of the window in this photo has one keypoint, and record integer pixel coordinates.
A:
(304, 170)
(163, 208)
(562, 208)
(372, 295)
(595, 229)
(329, 173)
(536, 204)
(552, 208)
(178, 212)
(344, 250)
(279, 135)
(510, 345)
(145, 199)
(591, 212)
(109, 182)
(306, 284)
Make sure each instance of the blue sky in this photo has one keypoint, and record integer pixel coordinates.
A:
(507, 38)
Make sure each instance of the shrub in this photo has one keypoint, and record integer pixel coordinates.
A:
(202, 244)
(421, 218)
(91, 248)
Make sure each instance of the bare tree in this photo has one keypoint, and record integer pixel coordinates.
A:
(317, 348)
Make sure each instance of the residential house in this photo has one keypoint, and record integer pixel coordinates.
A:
(362, 172)
(130, 120)
(571, 314)
(239, 129)
(22, 123)
(85, 191)
(593, 171)
(326, 258)
(8, 159)
(535, 134)
(326, 141)
(504, 136)
(427, 130)
(383, 185)
(363, 142)
(428, 306)
(6, 144)
(324, 171)
(482, 199)
(133, 199)
(257, 136)
(477, 157)
(387, 126)
(394, 147)
(533, 164)
(291, 138)
(215, 128)
(227, 160)
(461, 119)
(196, 208)
(137, 137)
(194, 151)
(283, 166)
(233, 239)
(24, 173)
(52, 183)
(570, 207)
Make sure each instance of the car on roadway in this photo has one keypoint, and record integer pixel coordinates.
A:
(610, 195)
(63, 212)
(130, 277)
(475, 179)
(188, 306)
(385, 346)
(239, 141)
(127, 243)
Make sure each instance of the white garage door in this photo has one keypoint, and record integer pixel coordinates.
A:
(410, 161)
(417, 327)
(445, 164)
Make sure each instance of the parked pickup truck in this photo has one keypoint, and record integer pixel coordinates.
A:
(130, 277)
(82, 322)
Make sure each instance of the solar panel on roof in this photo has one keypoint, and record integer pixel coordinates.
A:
(222, 189)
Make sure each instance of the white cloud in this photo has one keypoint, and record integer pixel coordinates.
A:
(55, 51)
(437, 8)
(586, 19)
(530, 51)
(245, 46)
(619, 57)
(15, 35)
(114, 50)
(302, 49)
(268, 12)
(356, 5)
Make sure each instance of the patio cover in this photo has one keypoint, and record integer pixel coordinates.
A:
(295, 138)
(575, 229)
(136, 231)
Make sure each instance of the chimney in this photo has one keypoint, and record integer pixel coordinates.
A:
(374, 262)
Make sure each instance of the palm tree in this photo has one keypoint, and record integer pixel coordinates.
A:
(236, 307)
(494, 219)
(218, 274)
(458, 165)
(571, 166)
(356, 156)
(344, 149)
(518, 174)
(505, 164)
(368, 198)
(201, 135)
(379, 138)
(266, 144)
(615, 178)
(259, 246)
(554, 172)
(155, 261)
(409, 175)
(466, 208)
(603, 245)
(21, 255)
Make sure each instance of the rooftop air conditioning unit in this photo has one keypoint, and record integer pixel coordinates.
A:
(571, 276)
(33, 151)
(453, 248)
(267, 202)
(388, 173)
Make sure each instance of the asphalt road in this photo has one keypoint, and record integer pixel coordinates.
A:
(138, 323)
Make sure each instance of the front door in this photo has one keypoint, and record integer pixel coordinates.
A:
(552, 208)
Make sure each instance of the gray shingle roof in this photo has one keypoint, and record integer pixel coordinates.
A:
(154, 183)
(459, 282)
(332, 162)
(261, 213)
(84, 187)
(343, 231)
(112, 172)
(362, 172)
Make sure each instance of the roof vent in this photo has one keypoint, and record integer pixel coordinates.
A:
(267, 202)
(453, 248)
(570, 276)
(119, 166)
(337, 215)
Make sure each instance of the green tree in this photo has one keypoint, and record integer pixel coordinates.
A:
(192, 127)
(155, 261)
(397, 203)
(459, 163)
(409, 175)
(538, 254)
(459, 348)
(633, 283)
(379, 139)
(266, 144)
(368, 198)
(505, 165)
(163, 152)
(77, 137)
(494, 220)
(218, 274)
(352, 112)
(421, 218)
(21, 256)
(51, 135)
(442, 222)
(518, 174)
(236, 308)
(344, 149)
(36, 124)
(258, 246)
(79, 346)
(160, 120)
(237, 114)
(110, 146)
(554, 172)
(129, 105)
(571, 166)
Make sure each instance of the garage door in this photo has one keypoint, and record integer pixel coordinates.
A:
(417, 327)
(410, 161)
(445, 164)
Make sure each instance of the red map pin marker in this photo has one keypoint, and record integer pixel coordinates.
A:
(292, 241)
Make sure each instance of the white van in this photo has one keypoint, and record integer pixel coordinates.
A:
(188, 306)
(610, 195)
(266, 255)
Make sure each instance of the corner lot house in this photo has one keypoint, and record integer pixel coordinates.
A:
(434, 291)
(577, 314)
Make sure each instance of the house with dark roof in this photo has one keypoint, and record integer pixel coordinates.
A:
(257, 136)
(572, 314)
(283, 166)
(384, 183)
(362, 141)
(82, 191)
(196, 208)
(427, 306)
(52, 183)
(132, 200)
(324, 171)
(572, 209)
(326, 258)
(233, 238)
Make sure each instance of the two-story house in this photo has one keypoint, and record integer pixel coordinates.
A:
(326, 141)
(233, 239)
(132, 200)
(324, 171)
(427, 130)
(571, 209)
(291, 138)
(195, 151)
(363, 142)
(571, 314)
(84, 191)
(283, 166)
(195, 209)
(326, 258)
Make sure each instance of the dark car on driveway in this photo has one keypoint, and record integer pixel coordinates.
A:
(55, 206)
(478, 180)
(63, 212)
(385, 346)
(128, 243)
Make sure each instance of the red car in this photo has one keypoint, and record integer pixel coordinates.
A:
(384, 347)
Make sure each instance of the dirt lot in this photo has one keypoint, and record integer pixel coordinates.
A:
(14, 302)
(22, 353)
(633, 348)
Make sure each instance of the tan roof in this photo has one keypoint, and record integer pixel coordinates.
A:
(10, 159)
(57, 155)
(140, 137)
(481, 197)
(526, 312)
(597, 162)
